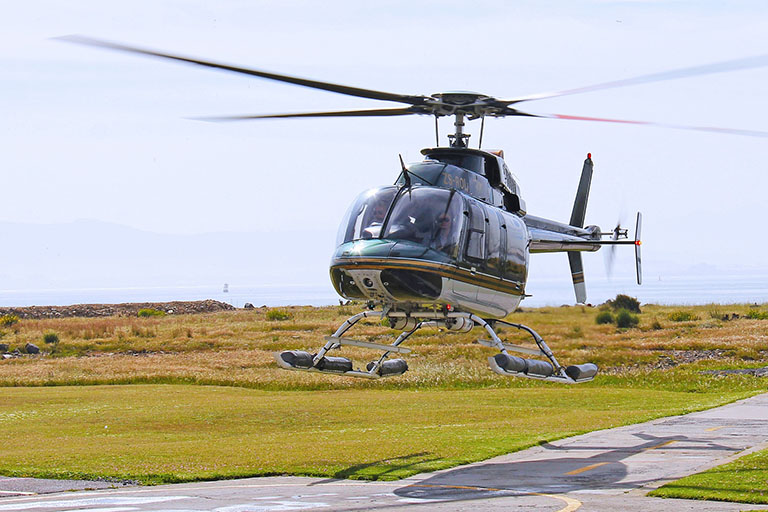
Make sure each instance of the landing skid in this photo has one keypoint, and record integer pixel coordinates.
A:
(502, 363)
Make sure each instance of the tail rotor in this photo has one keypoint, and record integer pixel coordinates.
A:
(610, 254)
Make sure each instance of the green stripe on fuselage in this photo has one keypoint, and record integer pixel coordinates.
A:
(397, 254)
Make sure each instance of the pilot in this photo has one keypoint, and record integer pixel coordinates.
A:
(375, 218)
(444, 239)
(379, 211)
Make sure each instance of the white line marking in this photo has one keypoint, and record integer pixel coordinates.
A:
(105, 509)
(74, 503)
(279, 506)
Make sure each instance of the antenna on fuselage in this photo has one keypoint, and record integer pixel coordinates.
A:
(406, 175)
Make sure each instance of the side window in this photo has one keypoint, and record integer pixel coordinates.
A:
(479, 188)
(498, 198)
(493, 241)
(476, 234)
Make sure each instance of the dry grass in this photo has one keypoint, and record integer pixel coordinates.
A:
(236, 348)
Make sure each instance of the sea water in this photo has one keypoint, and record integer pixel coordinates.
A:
(690, 290)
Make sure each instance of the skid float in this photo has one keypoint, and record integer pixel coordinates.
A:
(502, 363)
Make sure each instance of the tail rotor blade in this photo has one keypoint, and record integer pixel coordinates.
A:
(611, 254)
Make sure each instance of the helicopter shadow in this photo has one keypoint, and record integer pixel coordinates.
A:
(603, 471)
(380, 468)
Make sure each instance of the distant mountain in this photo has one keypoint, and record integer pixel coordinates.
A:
(98, 254)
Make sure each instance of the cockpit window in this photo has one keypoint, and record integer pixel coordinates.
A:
(428, 216)
(365, 217)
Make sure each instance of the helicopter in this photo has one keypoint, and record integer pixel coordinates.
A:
(448, 244)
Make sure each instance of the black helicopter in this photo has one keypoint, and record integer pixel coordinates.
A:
(448, 244)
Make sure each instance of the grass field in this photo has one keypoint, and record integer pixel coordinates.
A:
(169, 433)
(213, 403)
(744, 480)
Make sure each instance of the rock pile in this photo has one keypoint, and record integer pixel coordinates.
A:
(757, 372)
(128, 309)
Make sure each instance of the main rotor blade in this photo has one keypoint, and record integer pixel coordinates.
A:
(730, 131)
(707, 69)
(314, 84)
(341, 113)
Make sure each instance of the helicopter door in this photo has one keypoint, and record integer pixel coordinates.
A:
(476, 234)
(475, 250)
(494, 252)
(516, 264)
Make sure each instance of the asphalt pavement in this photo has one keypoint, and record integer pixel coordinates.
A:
(607, 470)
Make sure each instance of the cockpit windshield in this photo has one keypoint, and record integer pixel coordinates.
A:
(365, 217)
(428, 216)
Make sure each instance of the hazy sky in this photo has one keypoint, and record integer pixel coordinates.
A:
(91, 134)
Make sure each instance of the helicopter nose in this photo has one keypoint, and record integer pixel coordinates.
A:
(387, 284)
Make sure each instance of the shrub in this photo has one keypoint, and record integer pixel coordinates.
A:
(51, 338)
(147, 312)
(621, 301)
(656, 325)
(682, 316)
(604, 317)
(8, 320)
(626, 319)
(755, 314)
(278, 315)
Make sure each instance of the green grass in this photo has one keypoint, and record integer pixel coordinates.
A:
(149, 312)
(744, 480)
(682, 316)
(167, 433)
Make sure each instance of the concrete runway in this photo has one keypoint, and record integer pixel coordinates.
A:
(608, 470)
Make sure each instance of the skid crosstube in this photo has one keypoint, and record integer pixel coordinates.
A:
(304, 361)
(502, 363)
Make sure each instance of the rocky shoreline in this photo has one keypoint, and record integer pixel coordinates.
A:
(126, 309)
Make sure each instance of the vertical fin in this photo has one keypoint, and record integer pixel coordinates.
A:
(577, 274)
(577, 220)
(582, 194)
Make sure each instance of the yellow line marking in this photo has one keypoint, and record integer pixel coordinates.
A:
(586, 468)
(570, 504)
(715, 428)
(667, 443)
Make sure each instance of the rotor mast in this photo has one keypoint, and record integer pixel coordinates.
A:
(459, 139)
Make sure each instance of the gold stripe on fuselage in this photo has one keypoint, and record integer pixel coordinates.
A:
(441, 269)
